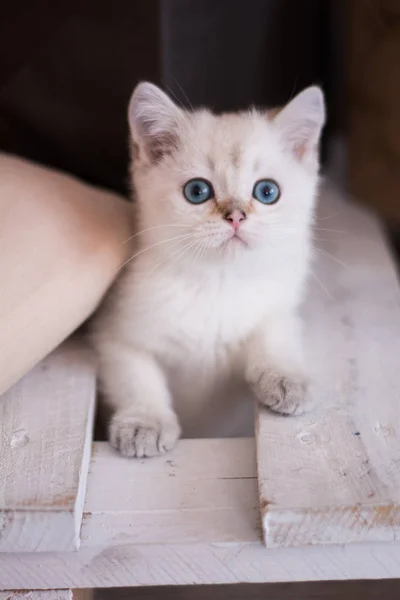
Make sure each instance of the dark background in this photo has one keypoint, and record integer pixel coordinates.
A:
(67, 69)
(315, 590)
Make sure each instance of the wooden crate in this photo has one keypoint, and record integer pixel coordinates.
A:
(311, 498)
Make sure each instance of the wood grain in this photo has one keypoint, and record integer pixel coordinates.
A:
(45, 440)
(37, 595)
(217, 538)
(333, 476)
(205, 491)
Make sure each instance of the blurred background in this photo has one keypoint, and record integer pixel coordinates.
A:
(67, 68)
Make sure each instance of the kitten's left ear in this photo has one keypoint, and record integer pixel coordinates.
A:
(301, 122)
(154, 121)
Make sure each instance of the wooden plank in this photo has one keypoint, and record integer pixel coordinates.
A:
(45, 440)
(117, 550)
(187, 564)
(333, 476)
(203, 492)
(37, 595)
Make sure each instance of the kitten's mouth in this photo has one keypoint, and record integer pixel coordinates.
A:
(236, 239)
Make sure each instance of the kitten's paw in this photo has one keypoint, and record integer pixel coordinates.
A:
(285, 394)
(137, 434)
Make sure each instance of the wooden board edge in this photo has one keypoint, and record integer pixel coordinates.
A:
(330, 525)
(25, 531)
(84, 472)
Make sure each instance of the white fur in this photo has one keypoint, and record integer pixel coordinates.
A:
(196, 321)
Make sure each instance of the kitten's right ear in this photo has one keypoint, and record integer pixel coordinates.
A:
(153, 119)
(301, 121)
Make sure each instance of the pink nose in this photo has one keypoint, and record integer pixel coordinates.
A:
(235, 217)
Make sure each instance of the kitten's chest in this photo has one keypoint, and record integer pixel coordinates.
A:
(198, 317)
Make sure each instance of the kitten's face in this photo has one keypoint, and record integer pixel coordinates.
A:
(229, 184)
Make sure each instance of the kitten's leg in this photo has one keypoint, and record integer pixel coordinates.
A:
(144, 424)
(275, 368)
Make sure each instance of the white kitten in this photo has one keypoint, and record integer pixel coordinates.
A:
(207, 307)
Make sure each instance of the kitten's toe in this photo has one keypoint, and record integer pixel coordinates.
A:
(284, 394)
(141, 435)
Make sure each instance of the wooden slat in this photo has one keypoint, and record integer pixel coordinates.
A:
(37, 595)
(333, 476)
(204, 491)
(134, 565)
(45, 440)
(119, 549)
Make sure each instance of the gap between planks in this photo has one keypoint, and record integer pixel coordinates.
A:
(83, 594)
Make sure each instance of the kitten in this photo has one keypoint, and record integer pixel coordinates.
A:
(206, 310)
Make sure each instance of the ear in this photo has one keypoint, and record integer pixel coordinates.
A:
(153, 119)
(301, 122)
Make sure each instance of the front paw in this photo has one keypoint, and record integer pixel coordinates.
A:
(137, 434)
(285, 394)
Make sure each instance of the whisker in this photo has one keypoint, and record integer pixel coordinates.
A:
(199, 251)
(184, 235)
(318, 239)
(196, 249)
(328, 217)
(317, 279)
(314, 275)
(188, 243)
(328, 255)
(184, 94)
(184, 250)
(329, 230)
(295, 225)
(172, 93)
(204, 250)
(280, 238)
(154, 227)
(194, 244)
(294, 87)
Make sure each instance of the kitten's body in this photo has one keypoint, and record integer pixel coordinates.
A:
(199, 321)
(197, 329)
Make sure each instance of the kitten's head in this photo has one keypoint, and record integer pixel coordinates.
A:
(227, 185)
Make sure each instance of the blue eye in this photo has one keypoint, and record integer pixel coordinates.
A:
(198, 191)
(266, 191)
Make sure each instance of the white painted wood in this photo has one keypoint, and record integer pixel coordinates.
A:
(45, 441)
(118, 550)
(37, 595)
(202, 492)
(184, 564)
(333, 476)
